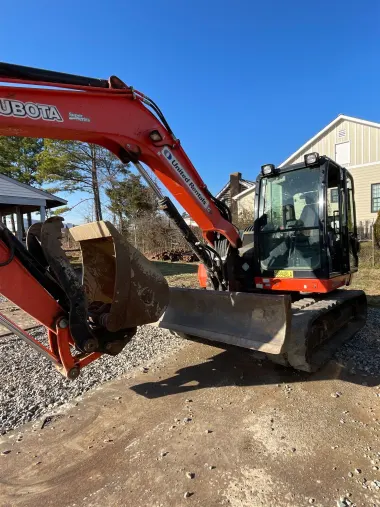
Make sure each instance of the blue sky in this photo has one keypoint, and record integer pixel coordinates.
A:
(242, 83)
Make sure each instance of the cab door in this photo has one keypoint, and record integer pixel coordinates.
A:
(336, 235)
(352, 232)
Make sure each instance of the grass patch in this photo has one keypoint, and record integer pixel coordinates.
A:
(367, 256)
(368, 279)
(179, 274)
(176, 268)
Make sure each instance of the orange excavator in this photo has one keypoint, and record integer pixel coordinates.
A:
(276, 287)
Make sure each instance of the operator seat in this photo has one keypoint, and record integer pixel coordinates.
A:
(309, 215)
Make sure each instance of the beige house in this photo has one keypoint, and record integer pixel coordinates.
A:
(245, 201)
(355, 144)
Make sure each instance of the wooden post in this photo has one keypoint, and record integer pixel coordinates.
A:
(13, 225)
(19, 223)
(42, 213)
(373, 246)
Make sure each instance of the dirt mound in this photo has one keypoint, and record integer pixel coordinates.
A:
(179, 255)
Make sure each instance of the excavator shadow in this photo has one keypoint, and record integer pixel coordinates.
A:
(235, 367)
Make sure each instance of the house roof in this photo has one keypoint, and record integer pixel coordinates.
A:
(338, 119)
(247, 184)
(244, 183)
(11, 188)
(244, 192)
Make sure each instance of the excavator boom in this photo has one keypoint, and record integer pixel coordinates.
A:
(113, 115)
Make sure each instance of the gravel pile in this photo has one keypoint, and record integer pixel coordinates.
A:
(362, 353)
(31, 386)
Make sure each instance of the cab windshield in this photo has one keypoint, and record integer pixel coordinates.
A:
(289, 220)
(290, 200)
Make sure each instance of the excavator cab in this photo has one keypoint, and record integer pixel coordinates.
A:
(305, 232)
(304, 248)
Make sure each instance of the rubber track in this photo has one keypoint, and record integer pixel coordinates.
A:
(323, 312)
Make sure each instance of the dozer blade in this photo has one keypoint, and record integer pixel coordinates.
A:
(118, 275)
(249, 320)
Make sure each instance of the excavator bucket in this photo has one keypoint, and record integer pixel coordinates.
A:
(254, 321)
(118, 275)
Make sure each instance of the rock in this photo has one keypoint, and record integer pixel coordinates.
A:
(187, 494)
(358, 471)
(311, 500)
(293, 449)
(187, 419)
(350, 474)
(336, 395)
(208, 431)
(188, 401)
(6, 452)
(190, 475)
(212, 467)
(343, 502)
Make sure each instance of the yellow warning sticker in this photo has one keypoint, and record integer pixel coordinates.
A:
(283, 273)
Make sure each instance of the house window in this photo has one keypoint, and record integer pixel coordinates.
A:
(375, 197)
(334, 195)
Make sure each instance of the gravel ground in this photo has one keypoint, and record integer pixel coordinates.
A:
(31, 386)
(362, 353)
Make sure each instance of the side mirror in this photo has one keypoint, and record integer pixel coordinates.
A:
(289, 213)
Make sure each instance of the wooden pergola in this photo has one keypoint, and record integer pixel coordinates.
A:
(18, 199)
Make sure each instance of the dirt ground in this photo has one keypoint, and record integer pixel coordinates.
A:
(19, 317)
(207, 427)
(252, 433)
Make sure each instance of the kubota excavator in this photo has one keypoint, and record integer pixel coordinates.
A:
(275, 287)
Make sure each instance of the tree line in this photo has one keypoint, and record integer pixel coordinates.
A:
(112, 188)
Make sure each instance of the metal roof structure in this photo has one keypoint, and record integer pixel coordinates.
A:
(13, 193)
(19, 198)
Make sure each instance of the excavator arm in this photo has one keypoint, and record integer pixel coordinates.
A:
(113, 115)
(120, 289)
